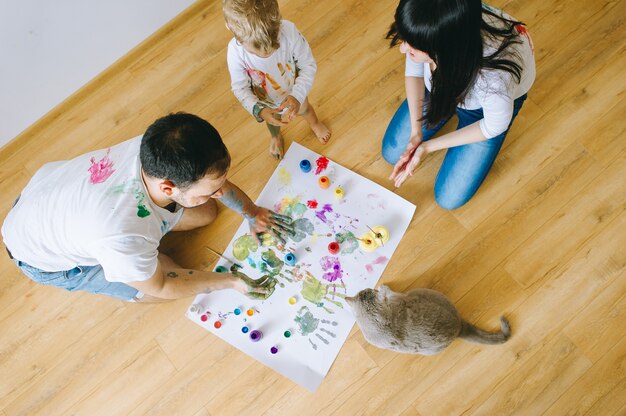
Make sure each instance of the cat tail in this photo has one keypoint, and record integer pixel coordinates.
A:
(474, 334)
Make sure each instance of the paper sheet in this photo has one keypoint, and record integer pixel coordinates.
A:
(319, 321)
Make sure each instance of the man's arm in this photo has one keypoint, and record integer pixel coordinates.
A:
(261, 220)
(171, 281)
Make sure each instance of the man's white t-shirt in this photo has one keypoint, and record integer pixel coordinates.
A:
(90, 210)
(289, 70)
(494, 90)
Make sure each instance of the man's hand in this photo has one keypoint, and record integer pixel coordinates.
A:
(267, 221)
(291, 107)
(272, 117)
(261, 288)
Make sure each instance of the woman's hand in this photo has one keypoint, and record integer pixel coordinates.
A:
(416, 158)
(411, 147)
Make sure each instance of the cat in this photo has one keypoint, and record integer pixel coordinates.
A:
(422, 321)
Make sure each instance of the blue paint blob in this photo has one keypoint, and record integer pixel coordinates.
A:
(290, 259)
(305, 166)
(245, 329)
(237, 311)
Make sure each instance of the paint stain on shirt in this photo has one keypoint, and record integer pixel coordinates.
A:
(100, 171)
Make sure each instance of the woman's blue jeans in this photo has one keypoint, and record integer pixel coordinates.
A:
(464, 168)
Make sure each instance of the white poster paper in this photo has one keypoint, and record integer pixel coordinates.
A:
(304, 323)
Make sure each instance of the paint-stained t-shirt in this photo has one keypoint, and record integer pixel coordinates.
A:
(90, 210)
(289, 70)
(494, 90)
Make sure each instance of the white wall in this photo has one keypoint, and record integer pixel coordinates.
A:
(50, 48)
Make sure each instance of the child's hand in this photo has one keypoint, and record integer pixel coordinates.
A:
(291, 107)
(267, 114)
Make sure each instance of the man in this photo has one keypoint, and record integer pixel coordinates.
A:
(94, 223)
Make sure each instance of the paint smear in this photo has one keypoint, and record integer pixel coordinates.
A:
(332, 268)
(379, 260)
(284, 176)
(100, 171)
(290, 206)
(321, 215)
(311, 204)
(348, 242)
(307, 323)
(322, 164)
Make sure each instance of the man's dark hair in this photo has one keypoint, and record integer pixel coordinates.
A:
(182, 148)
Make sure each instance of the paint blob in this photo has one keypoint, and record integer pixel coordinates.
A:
(322, 164)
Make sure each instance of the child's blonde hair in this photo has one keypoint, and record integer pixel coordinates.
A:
(256, 22)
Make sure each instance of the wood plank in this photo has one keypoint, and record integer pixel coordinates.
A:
(601, 390)
(119, 392)
(595, 330)
(588, 213)
(533, 389)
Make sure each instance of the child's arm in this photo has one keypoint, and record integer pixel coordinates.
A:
(239, 81)
(305, 62)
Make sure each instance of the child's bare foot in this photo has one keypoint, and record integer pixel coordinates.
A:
(322, 132)
(277, 147)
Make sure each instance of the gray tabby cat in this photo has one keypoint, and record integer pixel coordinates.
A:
(421, 321)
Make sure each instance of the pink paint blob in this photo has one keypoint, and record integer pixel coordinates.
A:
(322, 164)
(311, 204)
(379, 260)
(100, 171)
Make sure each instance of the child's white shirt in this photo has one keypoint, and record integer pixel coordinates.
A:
(289, 70)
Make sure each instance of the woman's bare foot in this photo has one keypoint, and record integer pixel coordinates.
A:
(322, 132)
(277, 147)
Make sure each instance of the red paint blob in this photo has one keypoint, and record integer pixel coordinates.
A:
(322, 164)
(217, 324)
(333, 248)
(311, 204)
(203, 318)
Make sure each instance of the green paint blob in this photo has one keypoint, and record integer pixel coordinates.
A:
(302, 227)
(243, 246)
(348, 241)
(307, 323)
(221, 269)
(287, 334)
(142, 212)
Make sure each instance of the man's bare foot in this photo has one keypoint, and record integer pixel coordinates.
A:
(277, 147)
(321, 131)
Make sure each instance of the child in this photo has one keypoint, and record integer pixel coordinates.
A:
(271, 68)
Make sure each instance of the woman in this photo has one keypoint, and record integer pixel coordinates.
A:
(464, 57)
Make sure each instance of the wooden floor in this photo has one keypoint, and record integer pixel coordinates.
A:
(543, 241)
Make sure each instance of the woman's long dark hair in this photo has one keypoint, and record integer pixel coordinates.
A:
(451, 33)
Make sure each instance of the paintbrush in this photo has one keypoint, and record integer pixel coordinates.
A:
(222, 256)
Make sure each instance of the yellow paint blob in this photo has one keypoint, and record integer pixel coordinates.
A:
(284, 176)
(368, 242)
(382, 233)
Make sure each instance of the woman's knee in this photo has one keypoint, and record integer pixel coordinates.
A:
(452, 199)
(397, 134)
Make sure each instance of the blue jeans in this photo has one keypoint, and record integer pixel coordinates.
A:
(86, 278)
(464, 168)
